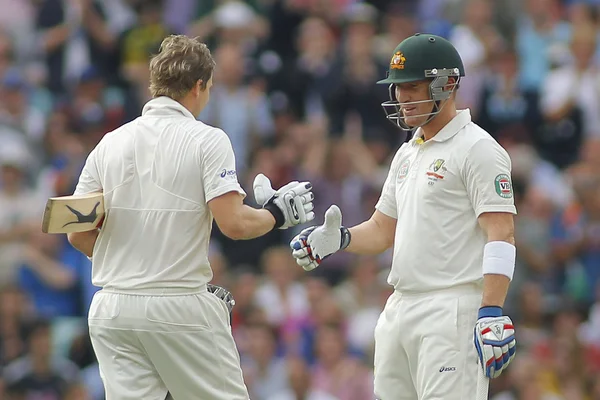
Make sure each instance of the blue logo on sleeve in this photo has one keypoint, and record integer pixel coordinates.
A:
(228, 173)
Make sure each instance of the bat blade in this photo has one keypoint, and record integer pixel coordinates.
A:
(75, 213)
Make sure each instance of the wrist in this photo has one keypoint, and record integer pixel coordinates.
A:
(489, 311)
(346, 237)
(277, 214)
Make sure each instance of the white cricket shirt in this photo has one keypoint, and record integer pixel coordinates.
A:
(158, 173)
(436, 190)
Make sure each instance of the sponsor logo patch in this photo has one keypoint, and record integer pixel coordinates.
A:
(503, 186)
(228, 174)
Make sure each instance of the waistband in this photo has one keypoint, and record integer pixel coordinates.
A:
(159, 291)
(458, 290)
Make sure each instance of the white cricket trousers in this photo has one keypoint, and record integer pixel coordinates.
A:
(424, 346)
(163, 341)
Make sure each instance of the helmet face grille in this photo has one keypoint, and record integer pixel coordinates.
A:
(437, 95)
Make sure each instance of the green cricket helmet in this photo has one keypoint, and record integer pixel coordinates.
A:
(422, 57)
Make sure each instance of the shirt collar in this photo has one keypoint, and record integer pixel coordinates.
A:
(462, 118)
(165, 106)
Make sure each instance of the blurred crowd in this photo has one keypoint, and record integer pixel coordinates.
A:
(294, 88)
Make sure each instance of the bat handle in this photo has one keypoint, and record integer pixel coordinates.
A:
(483, 384)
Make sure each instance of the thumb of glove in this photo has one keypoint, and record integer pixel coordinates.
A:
(262, 189)
(333, 218)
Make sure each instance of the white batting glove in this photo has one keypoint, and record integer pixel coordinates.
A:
(291, 205)
(494, 340)
(311, 246)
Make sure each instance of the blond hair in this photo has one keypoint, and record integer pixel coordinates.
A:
(179, 64)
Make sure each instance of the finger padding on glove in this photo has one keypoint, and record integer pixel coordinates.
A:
(303, 188)
(309, 206)
(296, 202)
(307, 263)
(495, 343)
(302, 252)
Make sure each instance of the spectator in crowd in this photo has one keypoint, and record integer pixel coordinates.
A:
(570, 100)
(18, 112)
(264, 370)
(336, 372)
(242, 110)
(280, 296)
(15, 313)
(138, 43)
(20, 209)
(477, 40)
(507, 111)
(50, 283)
(541, 40)
(577, 240)
(39, 374)
(300, 386)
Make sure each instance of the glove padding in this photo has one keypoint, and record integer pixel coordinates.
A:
(494, 340)
(224, 295)
(291, 205)
(311, 246)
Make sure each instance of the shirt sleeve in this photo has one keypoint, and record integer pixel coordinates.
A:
(487, 176)
(218, 167)
(89, 179)
(387, 201)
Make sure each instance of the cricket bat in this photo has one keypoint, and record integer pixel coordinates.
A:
(75, 213)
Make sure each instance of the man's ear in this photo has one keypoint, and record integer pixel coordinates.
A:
(199, 87)
(451, 84)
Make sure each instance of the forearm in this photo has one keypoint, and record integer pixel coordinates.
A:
(53, 274)
(55, 37)
(563, 252)
(495, 289)
(369, 238)
(97, 28)
(84, 241)
(16, 233)
(562, 112)
(252, 223)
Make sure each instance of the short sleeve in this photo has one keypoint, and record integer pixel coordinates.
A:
(218, 167)
(89, 179)
(487, 177)
(387, 201)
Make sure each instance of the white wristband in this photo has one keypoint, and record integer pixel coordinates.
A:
(499, 258)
